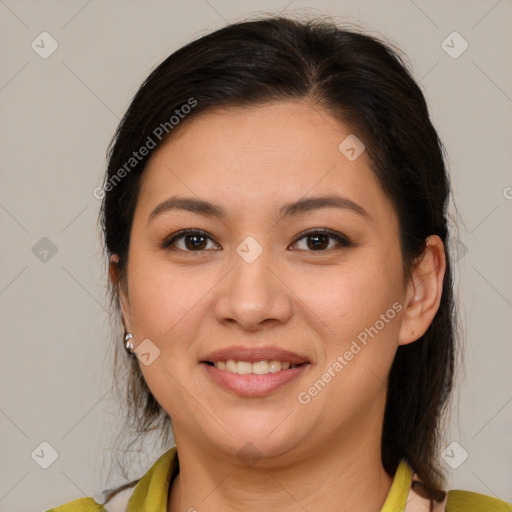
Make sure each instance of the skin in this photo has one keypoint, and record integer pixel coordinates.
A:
(324, 455)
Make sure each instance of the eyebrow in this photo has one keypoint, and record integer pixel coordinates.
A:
(302, 206)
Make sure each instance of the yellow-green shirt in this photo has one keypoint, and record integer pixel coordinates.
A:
(151, 492)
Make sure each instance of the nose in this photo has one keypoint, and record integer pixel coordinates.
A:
(253, 295)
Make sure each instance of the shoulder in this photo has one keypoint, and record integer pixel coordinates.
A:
(80, 505)
(118, 503)
(151, 485)
(456, 500)
(466, 501)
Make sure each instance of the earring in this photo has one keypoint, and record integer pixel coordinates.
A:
(128, 345)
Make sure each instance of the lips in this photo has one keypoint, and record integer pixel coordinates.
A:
(253, 384)
(254, 355)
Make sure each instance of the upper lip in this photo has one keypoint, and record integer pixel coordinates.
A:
(254, 354)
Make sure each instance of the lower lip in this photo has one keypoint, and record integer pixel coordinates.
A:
(253, 385)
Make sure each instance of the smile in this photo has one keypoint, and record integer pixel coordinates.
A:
(247, 367)
(242, 377)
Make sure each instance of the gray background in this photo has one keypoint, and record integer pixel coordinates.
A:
(58, 115)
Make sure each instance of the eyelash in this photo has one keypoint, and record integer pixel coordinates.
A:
(342, 240)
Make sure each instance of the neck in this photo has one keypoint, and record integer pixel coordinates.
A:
(346, 475)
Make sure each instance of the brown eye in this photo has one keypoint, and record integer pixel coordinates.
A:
(193, 241)
(318, 240)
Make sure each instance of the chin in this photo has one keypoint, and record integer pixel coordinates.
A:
(260, 443)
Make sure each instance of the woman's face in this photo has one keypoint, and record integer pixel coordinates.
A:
(259, 283)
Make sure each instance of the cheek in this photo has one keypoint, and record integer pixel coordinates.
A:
(162, 297)
(167, 306)
(360, 326)
(348, 298)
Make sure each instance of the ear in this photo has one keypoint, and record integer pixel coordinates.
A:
(122, 290)
(424, 290)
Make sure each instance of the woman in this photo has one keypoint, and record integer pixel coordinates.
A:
(275, 217)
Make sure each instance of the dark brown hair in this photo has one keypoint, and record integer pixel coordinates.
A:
(363, 82)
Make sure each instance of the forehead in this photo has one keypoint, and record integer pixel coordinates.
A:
(272, 131)
(248, 156)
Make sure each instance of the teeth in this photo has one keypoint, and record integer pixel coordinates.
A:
(274, 366)
(243, 367)
(257, 368)
(231, 366)
(260, 367)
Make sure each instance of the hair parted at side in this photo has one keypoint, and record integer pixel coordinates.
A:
(364, 83)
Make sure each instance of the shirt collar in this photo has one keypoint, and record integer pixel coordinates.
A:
(152, 490)
(399, 491)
